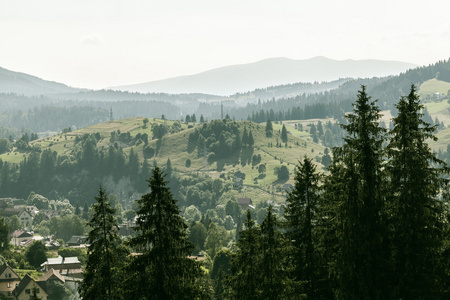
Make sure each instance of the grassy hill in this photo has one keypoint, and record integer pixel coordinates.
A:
(432, 86)
(174, 146)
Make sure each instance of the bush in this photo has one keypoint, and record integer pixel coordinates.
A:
(36, 254)
(283, 173)
(211, 158)
(148, 152)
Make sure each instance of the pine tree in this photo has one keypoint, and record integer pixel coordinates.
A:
(272, 258)
(4, 235)
(360, 231)
(162, 270)
(417, 213)
(269, 129)
(251, 141)
(85, 211)
(105, 253)
(301, 217)
(284, 136)
(246, 276)
(245, 137)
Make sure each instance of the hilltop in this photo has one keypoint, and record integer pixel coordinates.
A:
(188, 159)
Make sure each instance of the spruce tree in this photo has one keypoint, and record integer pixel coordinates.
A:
(105, 253)
(301, 219)
(269, 129)
(4, 235)
(417, 213)
(360, 205)
(162, 270)
(273, 253)
(246, 276)
(284, 136)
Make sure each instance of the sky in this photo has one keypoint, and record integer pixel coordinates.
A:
(103, 43)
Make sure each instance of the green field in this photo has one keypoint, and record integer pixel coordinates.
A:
(174, 147)
(434, 86)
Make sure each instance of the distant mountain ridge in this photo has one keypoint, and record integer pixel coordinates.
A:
(269, 72)
(28, 85)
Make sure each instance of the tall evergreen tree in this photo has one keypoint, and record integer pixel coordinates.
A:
(300, 214)
(417, 213)
(251, 141)
(246, 276)
(162, 270)
(269, 129)
(105, 253)
(360, 228)
(273, 283)
(4, 235)
(284, 136)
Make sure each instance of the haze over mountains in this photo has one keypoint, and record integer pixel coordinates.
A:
(223, 81)
(269, 72)
(28, 85)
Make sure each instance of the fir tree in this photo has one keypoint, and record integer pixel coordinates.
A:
(360, 261)
(85, 211)
(251, 141)
(269, 129)
(300, 214)
(4, 235)
(272, 259)
(284, 136)
(417, 213)
(163, 269)
(105, 253)
(246, 276)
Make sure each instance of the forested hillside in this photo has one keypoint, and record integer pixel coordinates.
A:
(252, 199)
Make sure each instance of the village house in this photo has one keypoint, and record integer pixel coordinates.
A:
(25, 289)
(245, 203)
(52, 280)
(66, 266)
(25, 216)
(21, 238)
(12, 287)
(8, 281)
(18, 203)
(77, 241)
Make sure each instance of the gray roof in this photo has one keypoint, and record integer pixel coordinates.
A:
(61, 260)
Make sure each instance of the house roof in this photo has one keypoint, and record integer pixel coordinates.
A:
(52, 275)
(18, 202)
(3, 268)
(61, 260)
(9, 212)
(24, 283)
(77, 239)
(246, 201)
(21, 234)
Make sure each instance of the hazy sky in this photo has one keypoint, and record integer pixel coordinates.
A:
(101, 43)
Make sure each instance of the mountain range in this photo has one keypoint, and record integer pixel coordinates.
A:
(269, 72)
(223, 81)
(28, 85)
